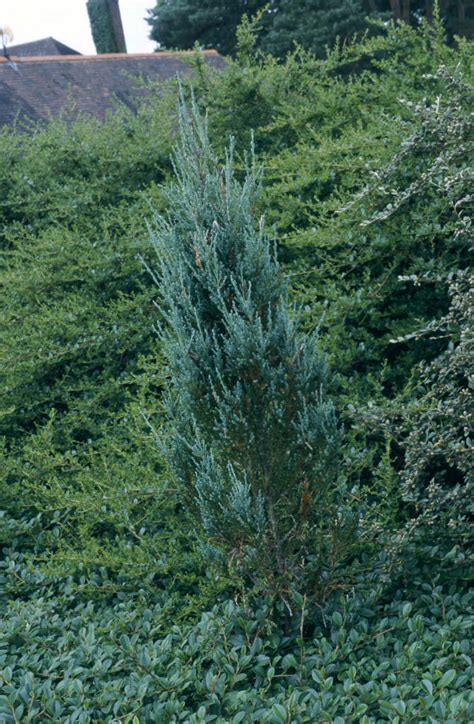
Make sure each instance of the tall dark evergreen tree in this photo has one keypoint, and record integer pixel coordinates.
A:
(211, 23)
(254, 436)
(313, 24)
(316, 24)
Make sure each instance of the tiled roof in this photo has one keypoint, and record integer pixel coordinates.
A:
(37, 87)
(45, 46)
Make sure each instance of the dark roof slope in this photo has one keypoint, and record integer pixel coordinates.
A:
(36, 88)
(45, 46)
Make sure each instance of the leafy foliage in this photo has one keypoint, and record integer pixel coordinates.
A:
(82, 484)
(437, 476)
(366, 661)
(430, 419)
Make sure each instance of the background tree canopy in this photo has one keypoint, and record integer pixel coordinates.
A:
(313, 24)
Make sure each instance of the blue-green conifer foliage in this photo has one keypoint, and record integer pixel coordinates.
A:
(254, 435)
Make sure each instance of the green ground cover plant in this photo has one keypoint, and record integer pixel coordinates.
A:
(122, 593)
(367, 662)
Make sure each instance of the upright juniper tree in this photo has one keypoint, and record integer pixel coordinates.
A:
(254, 436)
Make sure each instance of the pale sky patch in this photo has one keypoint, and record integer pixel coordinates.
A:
(68, 22)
